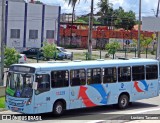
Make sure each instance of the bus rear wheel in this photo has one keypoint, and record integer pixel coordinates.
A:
(123, 101)
(58, 108)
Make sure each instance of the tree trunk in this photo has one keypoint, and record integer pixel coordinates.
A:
(71, 38)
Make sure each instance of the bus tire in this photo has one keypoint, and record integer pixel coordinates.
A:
(123, 101)
(58, 108)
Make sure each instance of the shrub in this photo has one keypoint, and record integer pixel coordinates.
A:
(11, 56)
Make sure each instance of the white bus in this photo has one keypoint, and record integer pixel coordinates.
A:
(57, 86)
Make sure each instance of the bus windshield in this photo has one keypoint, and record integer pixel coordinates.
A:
(19, 85)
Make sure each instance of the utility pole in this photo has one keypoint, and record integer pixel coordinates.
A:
(2, 41)
(139, 31)
(158, 43)
(90, 32)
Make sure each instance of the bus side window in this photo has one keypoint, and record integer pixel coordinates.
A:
(124, 74)
(94, 76)
(77, 77)
(138, 73)
(109, 75)
(59, 78)
(43, 83)
(151, 72)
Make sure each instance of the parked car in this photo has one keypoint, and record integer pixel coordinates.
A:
(22, 59)
(63, 52)
(32, 53)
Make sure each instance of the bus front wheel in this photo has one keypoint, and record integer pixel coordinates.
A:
(123, 101)
(58, 108)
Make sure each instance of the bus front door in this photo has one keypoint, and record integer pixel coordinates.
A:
(42, 94)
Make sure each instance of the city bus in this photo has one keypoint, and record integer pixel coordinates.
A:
(58, 86)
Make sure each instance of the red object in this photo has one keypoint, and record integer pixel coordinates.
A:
(137, 87)
(85, 98)
(32, 1)
(25, 58)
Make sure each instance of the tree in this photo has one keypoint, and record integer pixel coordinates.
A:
(145, 43)
(125, 20)
(49, 50)
(118, 17)
(11, 56)
(105, 11)
(112, 48)
(85, 19)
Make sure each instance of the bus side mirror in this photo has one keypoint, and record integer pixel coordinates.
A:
(35, 84)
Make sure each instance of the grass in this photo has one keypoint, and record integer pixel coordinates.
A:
(82, 56)
(76, 56)
(2, 102)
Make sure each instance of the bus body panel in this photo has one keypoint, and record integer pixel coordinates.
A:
(19, 105)
(88, 95)
(144, 89)
(74, 100)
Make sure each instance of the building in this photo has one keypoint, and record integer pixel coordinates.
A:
(68, 17)
(29, 25)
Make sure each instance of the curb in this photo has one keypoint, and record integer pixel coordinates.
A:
(2, 109)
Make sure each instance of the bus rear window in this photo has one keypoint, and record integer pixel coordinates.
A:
(138, 73)
(151, 72)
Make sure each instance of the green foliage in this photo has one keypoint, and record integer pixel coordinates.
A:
(85, 19)
(118, 17)
(2, 102)
(125, 20)
(11, 56)
(144, 41)
(38, 2)
(112, 47)
(49, 50)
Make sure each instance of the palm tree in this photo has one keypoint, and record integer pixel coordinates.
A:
(106, 10)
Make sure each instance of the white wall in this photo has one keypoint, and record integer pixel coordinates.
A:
(15, 21)
(16, 13)
(51, 22)
(34, 22)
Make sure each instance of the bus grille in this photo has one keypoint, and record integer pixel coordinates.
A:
(16, 104)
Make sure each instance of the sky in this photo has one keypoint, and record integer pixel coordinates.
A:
(149, 7)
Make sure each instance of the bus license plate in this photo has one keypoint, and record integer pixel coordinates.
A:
(15, 108)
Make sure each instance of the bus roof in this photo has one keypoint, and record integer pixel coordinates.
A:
(87, 64)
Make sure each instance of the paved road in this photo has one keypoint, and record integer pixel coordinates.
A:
(104, 114)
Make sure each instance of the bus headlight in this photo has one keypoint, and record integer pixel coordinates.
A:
(29, 101)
